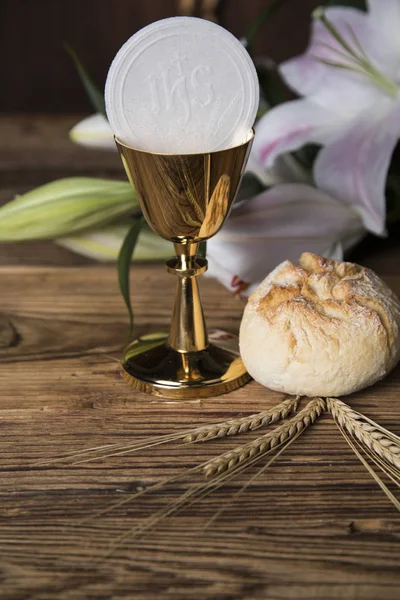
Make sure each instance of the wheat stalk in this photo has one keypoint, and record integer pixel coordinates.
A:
(243, 424)
(199, 434)
(372, 436)
(357, 447)
(266, 443)
(204, 433)
(198, 492)
(380, 445)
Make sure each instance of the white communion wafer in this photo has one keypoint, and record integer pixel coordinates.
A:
(180, 86)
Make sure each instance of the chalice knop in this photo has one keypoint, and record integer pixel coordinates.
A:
(185, 199)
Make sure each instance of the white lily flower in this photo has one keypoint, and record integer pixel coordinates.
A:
(279, 224)
(93, 132)
(349, 79)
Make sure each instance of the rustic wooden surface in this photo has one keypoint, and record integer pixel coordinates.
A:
(315, 526)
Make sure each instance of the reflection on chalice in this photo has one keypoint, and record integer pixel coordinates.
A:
(185, 198)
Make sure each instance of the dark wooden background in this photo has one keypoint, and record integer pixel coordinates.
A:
(36, 74)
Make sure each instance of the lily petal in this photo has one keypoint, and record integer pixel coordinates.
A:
(289, 126)
(93, 132)
(386, 13)
(342, 91)
(276, 225)
(385, 17)
(304, 74)
(354, 167)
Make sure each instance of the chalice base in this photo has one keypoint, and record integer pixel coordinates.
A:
(152, 366)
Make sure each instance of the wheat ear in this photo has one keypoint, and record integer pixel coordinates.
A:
(266, 443)
(243, 424)
(372, 436)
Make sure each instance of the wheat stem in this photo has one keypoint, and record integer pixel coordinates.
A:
(194, 493)
(251, 480)
(353, 445)
(199, 434)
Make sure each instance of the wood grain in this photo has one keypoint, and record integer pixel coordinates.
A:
(314, 527)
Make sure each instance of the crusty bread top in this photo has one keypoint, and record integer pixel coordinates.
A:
(324, 293)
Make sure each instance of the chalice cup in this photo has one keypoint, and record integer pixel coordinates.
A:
(185, 199)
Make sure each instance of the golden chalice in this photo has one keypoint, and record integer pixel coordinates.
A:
(185, 198)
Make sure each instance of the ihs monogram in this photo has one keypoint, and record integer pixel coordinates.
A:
(174, 88)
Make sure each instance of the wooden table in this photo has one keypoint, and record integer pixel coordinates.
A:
(315, 526)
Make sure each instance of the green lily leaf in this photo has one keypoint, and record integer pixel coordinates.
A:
(95, 95)
(124, 263)
(202, 249)
(147, 342)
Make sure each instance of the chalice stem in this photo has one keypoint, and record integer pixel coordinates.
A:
(188, 330)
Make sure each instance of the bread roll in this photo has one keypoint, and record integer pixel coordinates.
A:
(320, 328)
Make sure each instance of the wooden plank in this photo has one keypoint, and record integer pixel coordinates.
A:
(314, 527)
(36, 149)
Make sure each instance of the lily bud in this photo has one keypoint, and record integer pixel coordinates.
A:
(104, 244)
(65, 207)
(93, 132)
